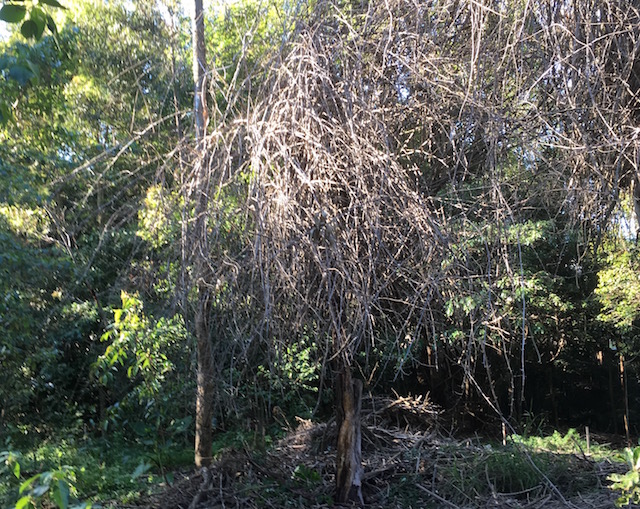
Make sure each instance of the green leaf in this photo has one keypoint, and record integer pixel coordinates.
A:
(28, 483)
(12, 13)
(33, 28)
(20, 74)
(23, 502)
(16, 470)
(39, 16)
(33, 68)
(29, 29)
(143, 467)
(636, 458)
(51, 25)
(60, 494)
(53, 3)
(449, 308)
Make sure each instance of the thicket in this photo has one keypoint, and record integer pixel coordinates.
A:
(433, 198)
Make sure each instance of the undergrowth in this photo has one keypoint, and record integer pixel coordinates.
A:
(116, 469)
(95, 470)
(526, 467)
(109, 473)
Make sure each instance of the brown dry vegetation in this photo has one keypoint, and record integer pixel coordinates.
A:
(411, 462)
(385, 136)
(376, 192)
(385, 139)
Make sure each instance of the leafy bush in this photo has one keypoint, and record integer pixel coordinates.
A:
(145, 366)
(628, 483)
(56, 486)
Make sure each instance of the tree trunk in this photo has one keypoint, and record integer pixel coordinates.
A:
(349, 449)
(199, 74)
(612, 399)
(625, 394)
(636, 203)
(198, 243)
(205, 387)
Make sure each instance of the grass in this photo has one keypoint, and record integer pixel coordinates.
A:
(569, 443)
(524, 466)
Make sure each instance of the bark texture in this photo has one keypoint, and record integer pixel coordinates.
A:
(205, 386)
(636, 203)
(349, 448)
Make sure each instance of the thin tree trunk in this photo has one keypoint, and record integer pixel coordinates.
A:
(552, 395)
(199, 74)
(205, 386)
(625, 393)
(612, 398)
(349, 450)
(636, 203)
(199, 245)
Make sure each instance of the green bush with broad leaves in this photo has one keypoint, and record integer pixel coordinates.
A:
(628, 483)
(45, 489)
(34, 19)
(145, 370)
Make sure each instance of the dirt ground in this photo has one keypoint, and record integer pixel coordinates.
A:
(409, 464)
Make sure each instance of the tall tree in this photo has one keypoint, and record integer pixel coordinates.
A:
(197, 245)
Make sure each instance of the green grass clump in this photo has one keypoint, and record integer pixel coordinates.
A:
(569, 443)
(479, 472)
(522, 468)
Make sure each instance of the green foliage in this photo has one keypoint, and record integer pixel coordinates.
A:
(568, 443)
(159, 219)
(522, 466)
(33, 27)
(243, 34)
(68, 238)
(36, 14)
(618, 290)
(151, 355)
(292, 377)
(90, 217)
(32, 276)
(34, 143)
(628, 483)
(56, 486)
(97, 472)
(306, 475)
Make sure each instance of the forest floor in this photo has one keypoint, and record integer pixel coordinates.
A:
(409, 463)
